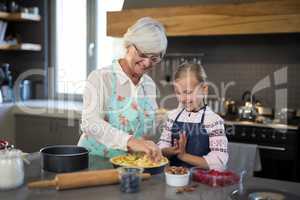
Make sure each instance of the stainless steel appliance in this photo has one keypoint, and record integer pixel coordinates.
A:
(25, 90)
(278, 146)
(248, 111)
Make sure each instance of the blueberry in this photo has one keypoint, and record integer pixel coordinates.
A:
(130, 183)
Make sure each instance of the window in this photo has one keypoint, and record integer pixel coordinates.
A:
(109, 48)
(71, 46)
(81, 42)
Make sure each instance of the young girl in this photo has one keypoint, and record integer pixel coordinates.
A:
(193, 135)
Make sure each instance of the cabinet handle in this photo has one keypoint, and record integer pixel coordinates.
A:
(271, 148)
(50, 127)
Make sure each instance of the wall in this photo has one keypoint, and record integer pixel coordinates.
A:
(7, 128)
(244, 60)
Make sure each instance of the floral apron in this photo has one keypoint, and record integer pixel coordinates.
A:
(134, 116)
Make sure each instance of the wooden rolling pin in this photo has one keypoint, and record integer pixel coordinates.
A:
(82, 179)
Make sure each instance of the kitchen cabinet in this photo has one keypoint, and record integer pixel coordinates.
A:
(255, 17)
(32, 47)
(67, 134)
(35, 132)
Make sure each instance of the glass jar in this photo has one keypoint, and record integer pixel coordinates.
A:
(11, 169)
(130, 179)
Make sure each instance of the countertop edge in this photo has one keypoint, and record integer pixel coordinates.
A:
(72, 110)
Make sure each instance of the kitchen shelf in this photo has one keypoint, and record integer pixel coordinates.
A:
(255, 17)
(19, 16)
(21, 47)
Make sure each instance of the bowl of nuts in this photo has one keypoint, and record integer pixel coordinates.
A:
(177, 176)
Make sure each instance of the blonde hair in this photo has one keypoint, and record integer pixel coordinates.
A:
(196, 69)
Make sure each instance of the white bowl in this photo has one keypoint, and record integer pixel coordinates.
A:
(177, 180)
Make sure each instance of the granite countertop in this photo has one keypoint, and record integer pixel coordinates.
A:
(272, 125)
(49, 108)
(155, 188)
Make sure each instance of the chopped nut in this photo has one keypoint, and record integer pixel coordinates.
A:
(180, 190)
(176, 170)
(189, 188)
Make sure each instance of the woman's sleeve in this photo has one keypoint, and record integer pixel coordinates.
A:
(93, 123)
(218, 156)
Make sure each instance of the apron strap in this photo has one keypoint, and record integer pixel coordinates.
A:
(202, 117)
(178, 115)
(114, 80)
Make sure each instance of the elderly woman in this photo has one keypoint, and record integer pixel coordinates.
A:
(119, 100)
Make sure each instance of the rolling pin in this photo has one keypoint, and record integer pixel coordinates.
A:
(82, 179)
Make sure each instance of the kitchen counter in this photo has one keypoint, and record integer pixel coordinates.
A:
(155, 188)
(49, 108)
(72, 110)
(271, 125)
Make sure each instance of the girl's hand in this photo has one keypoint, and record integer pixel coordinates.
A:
(171, 151)
(182, 144)
(174, 150)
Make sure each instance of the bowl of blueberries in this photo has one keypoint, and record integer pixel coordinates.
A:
(130, 179)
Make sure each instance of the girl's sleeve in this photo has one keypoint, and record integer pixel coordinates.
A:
(165, 138)
(218, 156)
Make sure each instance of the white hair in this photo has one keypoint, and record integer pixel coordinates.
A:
(148, 35)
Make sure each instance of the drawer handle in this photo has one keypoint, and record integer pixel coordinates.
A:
(271, 148)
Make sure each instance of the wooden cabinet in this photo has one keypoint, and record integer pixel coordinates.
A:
(255, 17)
(35, 132)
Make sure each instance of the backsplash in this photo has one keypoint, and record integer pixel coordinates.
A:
(242, 60)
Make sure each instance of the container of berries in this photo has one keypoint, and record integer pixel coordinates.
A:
(177, 176)
(214, 178)
(3, 144)
(130, 179)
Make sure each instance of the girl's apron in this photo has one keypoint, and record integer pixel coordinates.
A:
(197, 138)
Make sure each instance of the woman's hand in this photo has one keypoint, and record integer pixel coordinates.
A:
(147, 137)
(146, 146)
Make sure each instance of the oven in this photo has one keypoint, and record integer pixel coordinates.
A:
(278, 148)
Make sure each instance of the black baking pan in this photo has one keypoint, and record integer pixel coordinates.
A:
(64, 158)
